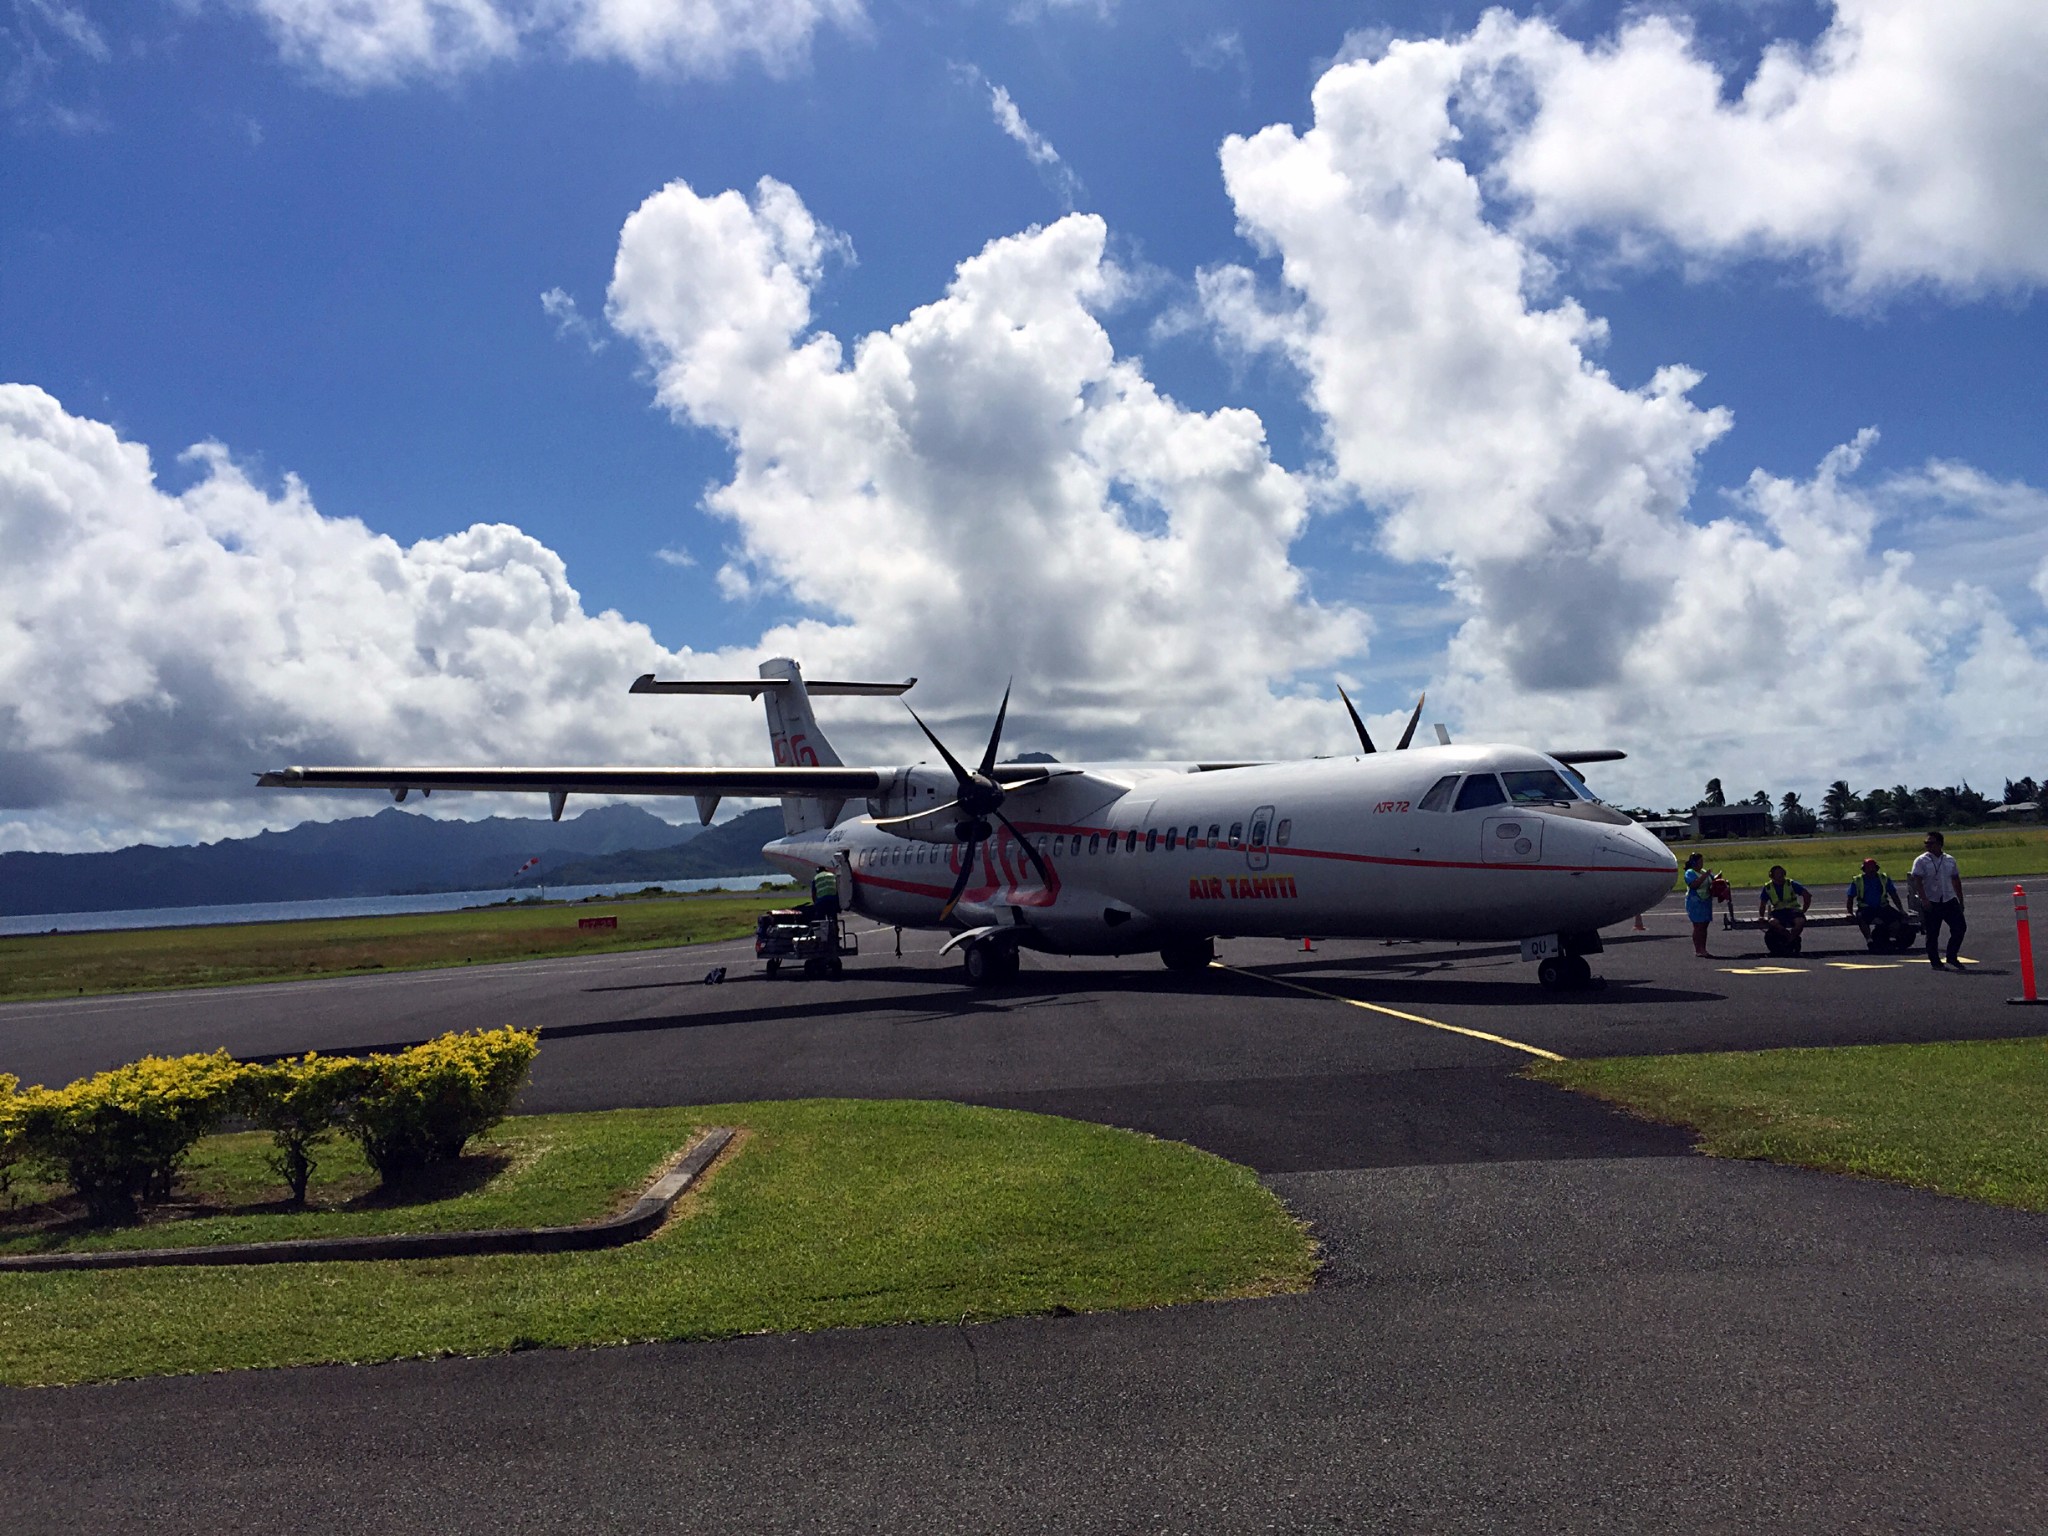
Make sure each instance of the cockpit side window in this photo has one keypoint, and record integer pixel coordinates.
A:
(1439, 796)
(1479, 791)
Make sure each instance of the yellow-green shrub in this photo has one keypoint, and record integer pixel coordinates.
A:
(10, 1130)
(300, 1102)
(117, 1138)
(422, 1106)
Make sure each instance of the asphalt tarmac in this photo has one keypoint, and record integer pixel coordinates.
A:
(1537, 1314)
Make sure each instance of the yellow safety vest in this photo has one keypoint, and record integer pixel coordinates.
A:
(1782, 896)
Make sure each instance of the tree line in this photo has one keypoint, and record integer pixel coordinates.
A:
(1842, 807)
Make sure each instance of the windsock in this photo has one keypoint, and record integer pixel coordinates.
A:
(522, 869)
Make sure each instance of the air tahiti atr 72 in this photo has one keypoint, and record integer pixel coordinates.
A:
(1446, 842)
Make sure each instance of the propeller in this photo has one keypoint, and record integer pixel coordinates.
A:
(1358, 724)
(1409, 734)
(979, 798)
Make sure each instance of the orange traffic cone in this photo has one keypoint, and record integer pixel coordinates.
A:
(1639, 924)
(1308, 945)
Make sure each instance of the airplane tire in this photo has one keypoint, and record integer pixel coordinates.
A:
(1578, 972)
(1550, 974)
(981, 964)
(1187, 954)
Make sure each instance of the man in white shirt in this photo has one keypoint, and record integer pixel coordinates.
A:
(1938, 886)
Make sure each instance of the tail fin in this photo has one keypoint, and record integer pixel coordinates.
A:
(793, 731)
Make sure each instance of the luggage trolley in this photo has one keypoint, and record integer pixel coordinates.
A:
(798, 933)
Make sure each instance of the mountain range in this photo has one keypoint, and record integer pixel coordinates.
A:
(391, 853)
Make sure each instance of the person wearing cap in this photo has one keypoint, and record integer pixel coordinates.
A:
(1874, 902)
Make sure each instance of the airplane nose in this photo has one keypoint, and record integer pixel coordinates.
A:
(1633, 848)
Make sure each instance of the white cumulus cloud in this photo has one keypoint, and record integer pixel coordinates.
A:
(1558, 501)
(985, 488)
(364, 43)
(156, 649)
(1908, 144)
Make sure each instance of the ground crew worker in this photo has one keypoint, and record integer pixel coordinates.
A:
(1937, 885)
(1783, 903)
(825, 892)
(1874, 902)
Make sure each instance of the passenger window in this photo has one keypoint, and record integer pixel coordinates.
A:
(1283, 832)
(1151, 839)
(1237, 834)
(1131, 841)
(1258, 834)
(1215, 832)
(1059, 846)
(1041, 847)
(1109, 841)
(1172, 833)
(1479, 791)
(1094, 841)
(1439, 796)
(1194, 835)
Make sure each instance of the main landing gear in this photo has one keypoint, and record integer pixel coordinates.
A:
(988, 962)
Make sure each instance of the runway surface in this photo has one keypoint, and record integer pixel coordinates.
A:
(1537, 1314)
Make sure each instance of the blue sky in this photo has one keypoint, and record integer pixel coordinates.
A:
(210, 232)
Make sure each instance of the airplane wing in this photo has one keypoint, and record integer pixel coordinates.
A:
(765, 783)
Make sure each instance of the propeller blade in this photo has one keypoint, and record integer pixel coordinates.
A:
(937, 810)
(1363, 739)
(966, 873)
(1030, 852)
(995, 737)
(960, 774)
(1406, 736)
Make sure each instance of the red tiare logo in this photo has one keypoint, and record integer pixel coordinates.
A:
(1242, 888)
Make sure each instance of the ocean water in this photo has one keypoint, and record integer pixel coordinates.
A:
(349, 906)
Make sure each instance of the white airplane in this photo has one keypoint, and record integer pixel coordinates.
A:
(1485, 843)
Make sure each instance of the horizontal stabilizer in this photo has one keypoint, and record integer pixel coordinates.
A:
(754, 687)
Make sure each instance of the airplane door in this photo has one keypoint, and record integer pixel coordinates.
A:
(1259, 838)
(1511, 839)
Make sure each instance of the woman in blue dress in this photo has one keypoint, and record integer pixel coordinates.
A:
(1699, 902)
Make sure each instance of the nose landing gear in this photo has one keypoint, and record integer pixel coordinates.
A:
(1569, 970)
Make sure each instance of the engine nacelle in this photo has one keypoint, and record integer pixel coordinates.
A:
(914, 790)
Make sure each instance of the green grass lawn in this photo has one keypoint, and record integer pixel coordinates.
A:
(533, 1170)
(69, 964)
(1967, 1118)
(833, 1213)
(1825, 864)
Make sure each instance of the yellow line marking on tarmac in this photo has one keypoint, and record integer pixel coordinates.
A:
(1393, 1013)
(1860, 965)
(1763, 970)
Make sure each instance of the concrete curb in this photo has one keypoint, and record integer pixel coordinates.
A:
(648, 1213)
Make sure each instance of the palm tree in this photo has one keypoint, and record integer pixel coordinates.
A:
(1838, 805)
(1714, 794)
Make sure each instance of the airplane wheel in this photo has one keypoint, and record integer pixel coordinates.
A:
(1550, 974)
(1008, 962)
(1578, 972)
(979, 961)
(1187, 954)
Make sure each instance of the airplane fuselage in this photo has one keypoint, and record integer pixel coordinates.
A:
(1354, 846)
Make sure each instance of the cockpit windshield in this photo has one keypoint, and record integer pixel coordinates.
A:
(1536, 786)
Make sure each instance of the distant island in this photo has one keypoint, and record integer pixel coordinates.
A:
(395, 852)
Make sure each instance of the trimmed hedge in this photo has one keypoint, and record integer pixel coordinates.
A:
(117, 1138)
(421, 1106)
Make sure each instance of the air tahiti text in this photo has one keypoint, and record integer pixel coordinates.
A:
(1248, 888)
